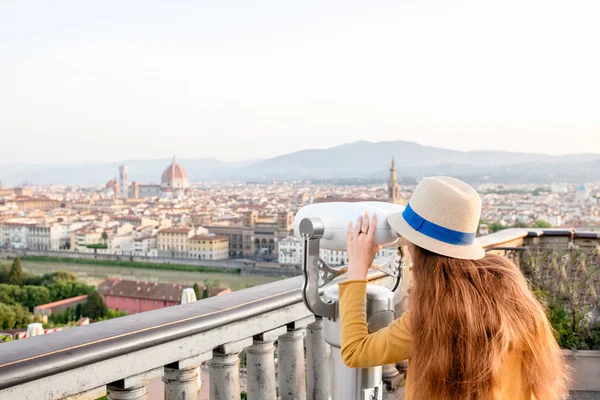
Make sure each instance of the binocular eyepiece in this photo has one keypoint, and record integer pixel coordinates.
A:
(329, 222)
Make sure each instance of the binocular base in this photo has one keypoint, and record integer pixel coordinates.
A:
(355, 383)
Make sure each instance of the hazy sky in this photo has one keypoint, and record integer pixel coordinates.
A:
(112, 80)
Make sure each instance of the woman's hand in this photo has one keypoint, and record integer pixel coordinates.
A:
(360, 247)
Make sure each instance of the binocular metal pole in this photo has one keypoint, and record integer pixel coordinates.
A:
(347, 383)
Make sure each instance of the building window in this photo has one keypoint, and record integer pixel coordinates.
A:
(145, 301)
(125, 299)
(154, 302)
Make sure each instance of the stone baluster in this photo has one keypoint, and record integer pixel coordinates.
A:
(391, 376)
(261, 365)
(224, 383)
(318, 359)
(182, 379)
(133, 387)
(292, 374)
(402, 367)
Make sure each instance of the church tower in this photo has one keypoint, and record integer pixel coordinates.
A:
(394, 195)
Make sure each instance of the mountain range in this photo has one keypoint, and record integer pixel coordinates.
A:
(365, 161)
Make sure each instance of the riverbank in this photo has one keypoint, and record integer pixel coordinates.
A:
(132, 264)
(230, 266)
(93, 274)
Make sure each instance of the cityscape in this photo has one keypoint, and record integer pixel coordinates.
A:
(178, 181)
(176, 219)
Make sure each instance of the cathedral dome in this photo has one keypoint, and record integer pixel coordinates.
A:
(174, 177)
(111, 185)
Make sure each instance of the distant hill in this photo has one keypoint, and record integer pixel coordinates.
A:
(359, 160)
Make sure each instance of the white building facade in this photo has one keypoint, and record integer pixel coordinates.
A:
(291, 251)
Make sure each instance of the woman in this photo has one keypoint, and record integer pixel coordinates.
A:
(473, 330)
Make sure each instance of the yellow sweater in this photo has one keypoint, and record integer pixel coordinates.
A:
(361, 349)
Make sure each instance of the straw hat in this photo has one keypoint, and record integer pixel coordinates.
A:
(442, 216)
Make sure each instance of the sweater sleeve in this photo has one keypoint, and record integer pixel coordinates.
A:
(361, 349)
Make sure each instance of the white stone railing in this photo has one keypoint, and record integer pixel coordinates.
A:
(122, 355)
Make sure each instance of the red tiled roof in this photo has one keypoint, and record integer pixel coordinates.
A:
(174, 171)
(175, 230)
(142, 290)
(129, 218)
(61, 302)
(343, 199)
(208, 237)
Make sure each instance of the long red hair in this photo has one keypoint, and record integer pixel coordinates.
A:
(466, 317)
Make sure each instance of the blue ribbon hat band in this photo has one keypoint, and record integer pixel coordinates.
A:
(436, 231)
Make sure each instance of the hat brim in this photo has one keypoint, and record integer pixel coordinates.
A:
(473, 251)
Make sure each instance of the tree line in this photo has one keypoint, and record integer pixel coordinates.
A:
(20, 293)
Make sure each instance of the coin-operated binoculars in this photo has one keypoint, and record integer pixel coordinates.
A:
(325, 226)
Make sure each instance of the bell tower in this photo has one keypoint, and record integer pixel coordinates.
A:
(394, 195)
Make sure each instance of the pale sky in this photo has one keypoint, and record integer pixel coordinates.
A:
(235, 80)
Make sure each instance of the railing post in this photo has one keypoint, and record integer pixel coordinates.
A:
(224, 381)
(133, 387)
(261, 365)
(182, 378)
(181, 384)
(318, 359)
(291, 366)
(391, 377)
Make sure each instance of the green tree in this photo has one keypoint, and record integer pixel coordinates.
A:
(61, 290)
(28, 296)
(540, 223)
(5, 338)
(205, 294)
(16, 274)
(113, 314)
(78, 311)
(13, 317)
(197, 291)
(104, 237)
(569, 283)
(35, 296)
(95, 307)
(4, 271)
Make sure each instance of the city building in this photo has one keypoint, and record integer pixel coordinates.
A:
(18, 238)
(47, 238)
(82, 238)
(139, 296)
(290, 251)
(174, 242)
(123, 182)
(60, 306)
(581, 194)
(31, 203)
(257, 236)
(393, 188)
(174, 178)
(135, 191)
(174, 182)
(203, 247)
(4, 235)
(144, 246)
